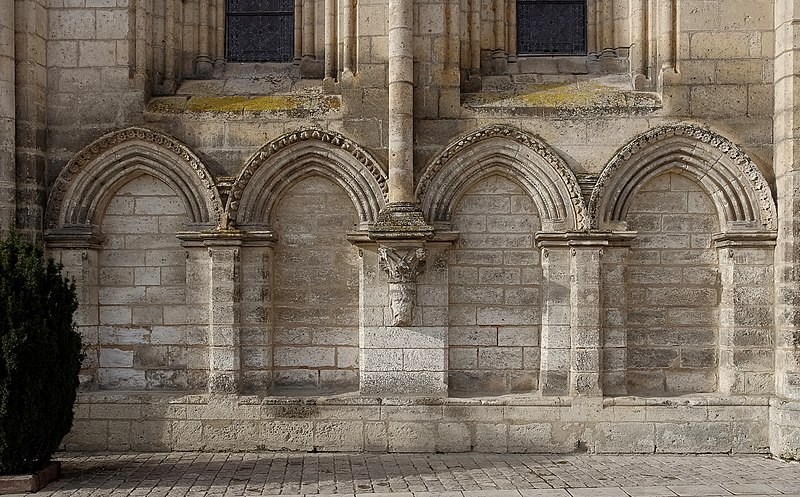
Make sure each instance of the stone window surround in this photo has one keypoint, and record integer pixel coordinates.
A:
(639, 39)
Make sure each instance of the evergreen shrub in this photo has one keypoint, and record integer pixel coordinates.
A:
(40, 356)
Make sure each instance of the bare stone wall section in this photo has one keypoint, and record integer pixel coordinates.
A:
(525, 424)
(148, 338)
(673, 289)
(495, 291)
(315, 284)
(90, 85)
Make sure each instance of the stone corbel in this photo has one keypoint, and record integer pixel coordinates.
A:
(402, 265)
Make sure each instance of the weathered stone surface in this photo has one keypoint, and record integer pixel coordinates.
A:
(582, 241)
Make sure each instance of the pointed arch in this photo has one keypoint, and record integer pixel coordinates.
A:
(296, 155)
(83, 187)
(510, 152)
(741, 194)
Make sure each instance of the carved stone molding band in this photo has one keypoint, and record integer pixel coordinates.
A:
(402, 265)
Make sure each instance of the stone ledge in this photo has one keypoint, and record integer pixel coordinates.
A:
(354, 399)
(252, 105)
(16, 484)
(567, 99)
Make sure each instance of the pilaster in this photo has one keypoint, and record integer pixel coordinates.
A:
(573, 312)
(77, 250)
(30, 102)
(556, 316)
(746, 345)
(219, 270)
(8, 182)
(785, 417)
(403, 318)
(585, 318)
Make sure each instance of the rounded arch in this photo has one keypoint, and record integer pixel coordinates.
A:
(510, 152)
(296, 155)
(88, 181)
(740, 193)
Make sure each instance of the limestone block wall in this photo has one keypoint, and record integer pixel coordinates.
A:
(495, 291)
(673, 290)
(315, 289)
(147, 336)
(711, 425)
(590, 241)
(92, 85)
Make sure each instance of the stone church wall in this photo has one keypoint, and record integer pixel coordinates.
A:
(410, 237)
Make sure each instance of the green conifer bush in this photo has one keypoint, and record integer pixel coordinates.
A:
(40, 356)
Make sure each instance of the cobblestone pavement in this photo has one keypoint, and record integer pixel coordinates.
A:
(418, 475)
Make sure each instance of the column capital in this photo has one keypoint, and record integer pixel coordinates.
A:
(745, 239)
(596, 239)
(227, 238)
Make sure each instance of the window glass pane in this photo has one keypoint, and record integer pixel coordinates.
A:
(260, 30)
(551, 27)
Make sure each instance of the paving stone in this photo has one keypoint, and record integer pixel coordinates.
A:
(544, 492)
(749, 488)
(649, 491)
(697, 490)
(419, 475)
(597, 492)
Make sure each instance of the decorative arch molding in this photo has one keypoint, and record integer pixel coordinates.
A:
(741, 194)
(295, 155)
(507, 151)
(83, 187)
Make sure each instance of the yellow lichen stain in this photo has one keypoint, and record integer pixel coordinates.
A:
(272, 103)
(560, 95)
(278, 104)
(167, 105)
(216, 104)
(332, 103)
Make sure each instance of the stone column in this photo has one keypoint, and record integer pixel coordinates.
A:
(330, 41)
(746, 350)
(204, 61)
(219, 33)
(298, 32)
(308, 62)
(785, 412)
(224, 352)
(348, 37)
(556, 316)
(8, 184)
(401, 101)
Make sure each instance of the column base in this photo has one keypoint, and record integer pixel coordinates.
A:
(784, 438)
(401, 221)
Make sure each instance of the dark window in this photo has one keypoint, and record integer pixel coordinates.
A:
(551, 27)
(260, 30)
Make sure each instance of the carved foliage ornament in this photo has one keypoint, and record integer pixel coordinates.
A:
(402, 266)
(91, 153)
(523, 138)
(300, 135)
(748, 169)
